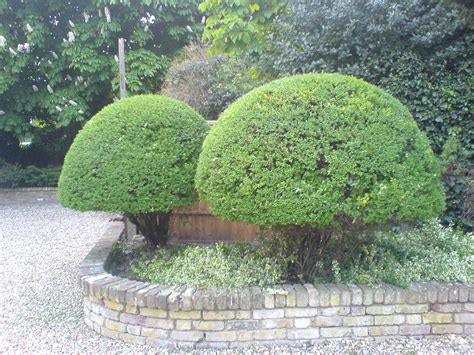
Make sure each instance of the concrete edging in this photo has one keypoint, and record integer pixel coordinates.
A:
(142, 313)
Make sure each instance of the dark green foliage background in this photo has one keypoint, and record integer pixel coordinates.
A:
(420, 51)
(136, 155)
(323, 150)
(14, 175)
(84, 70)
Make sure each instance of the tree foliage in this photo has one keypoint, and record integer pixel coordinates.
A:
(208, 83)
(420, 51)
(137, 155)
(236, 26)
(319, 150)
(59, 58)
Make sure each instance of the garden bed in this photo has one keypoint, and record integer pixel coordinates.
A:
(144, 313)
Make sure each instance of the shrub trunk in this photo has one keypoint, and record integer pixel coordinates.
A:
(153, 225)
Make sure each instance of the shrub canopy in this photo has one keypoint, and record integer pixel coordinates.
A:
(323, 150)
(136, 155)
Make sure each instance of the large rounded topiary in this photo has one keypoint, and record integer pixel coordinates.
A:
(138, 156)
(324, 151)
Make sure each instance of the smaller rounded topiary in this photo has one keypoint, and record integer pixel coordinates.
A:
(138, 156)
(324, 152)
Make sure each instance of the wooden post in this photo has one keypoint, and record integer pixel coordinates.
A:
(130, 228)
(121, 56)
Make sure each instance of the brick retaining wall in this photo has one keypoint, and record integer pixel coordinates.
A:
(143, 313)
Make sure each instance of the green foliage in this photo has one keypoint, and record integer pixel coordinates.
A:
(14, 175)
(429, 253)
(207, 83)
(233, 26)
(227, 266)
(58, 58)
(420, 51)
(136, 155)
(458, 178)
(320, 150)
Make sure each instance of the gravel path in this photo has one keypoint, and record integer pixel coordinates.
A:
(41, 246)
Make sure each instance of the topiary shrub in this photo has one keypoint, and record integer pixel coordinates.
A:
(138, 156)
(319, 154)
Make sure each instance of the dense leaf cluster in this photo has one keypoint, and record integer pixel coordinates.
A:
(323, 150)
(58, 62)
(207, 83)
(136, 155)
(420, 51)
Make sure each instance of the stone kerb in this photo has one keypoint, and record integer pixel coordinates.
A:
(143, 313)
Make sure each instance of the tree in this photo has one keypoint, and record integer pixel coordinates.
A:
(58, 59)
(236, 26)
(319, 154)
(420, 51)
(138, 156)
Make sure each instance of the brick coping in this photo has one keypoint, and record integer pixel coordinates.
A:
(27, 189)
(140, 312)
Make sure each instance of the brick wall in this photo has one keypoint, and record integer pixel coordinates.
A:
(142, 313)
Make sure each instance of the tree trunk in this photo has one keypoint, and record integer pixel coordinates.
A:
(308, 247)
(154, 226)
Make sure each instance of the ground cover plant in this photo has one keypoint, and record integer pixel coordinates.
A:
(137, 156)
(430, 252)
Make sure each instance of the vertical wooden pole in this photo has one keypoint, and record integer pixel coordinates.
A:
(121, 56)
(130, 228)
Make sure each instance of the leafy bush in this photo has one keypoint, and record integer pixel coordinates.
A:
(14, 175)
(429, 253)
(207, 83)
(228, 266)
(419, 51)
(137, 156)
(320, 150)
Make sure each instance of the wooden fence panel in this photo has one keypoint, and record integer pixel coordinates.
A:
(197, 224)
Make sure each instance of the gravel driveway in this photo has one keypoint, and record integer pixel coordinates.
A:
(41, 246)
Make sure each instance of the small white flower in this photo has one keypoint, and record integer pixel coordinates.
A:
(189, 28)
(80, 112)
(146, 28)
(2, 112)
(50, 89)
(116, 58)
(71, 23)
(71, 37)
(55, 56)
(29, 28)
(19, 48)
(26, 47)
(3, 41)
(35, 88)
(59, 108)
(107, 13)
(68, 77)
(73, 103)
(50, 62)
(203, 20)
(86, 17)
(12, 51)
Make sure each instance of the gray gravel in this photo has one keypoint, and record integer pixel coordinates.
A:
(41, 246)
